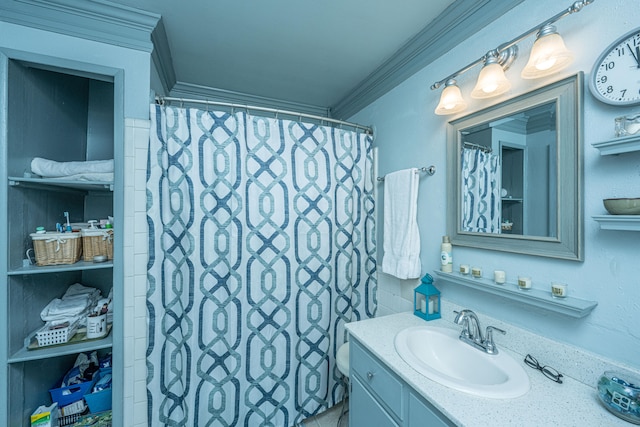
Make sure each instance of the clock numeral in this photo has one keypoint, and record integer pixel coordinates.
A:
(602, 80)
(609, 65)
(622, 92)
(609, 89)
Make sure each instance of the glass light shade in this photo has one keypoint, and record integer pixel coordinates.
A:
(491, 82)
(548, 55)
(451, 101)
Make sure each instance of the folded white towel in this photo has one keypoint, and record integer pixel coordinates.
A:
(73, 307)
(51, 169)
(401, 242)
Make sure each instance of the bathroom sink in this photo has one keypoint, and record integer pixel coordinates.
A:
(438, 354)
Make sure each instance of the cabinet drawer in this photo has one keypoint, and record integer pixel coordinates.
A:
(377, 378)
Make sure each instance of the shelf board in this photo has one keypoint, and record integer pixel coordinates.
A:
(25, 354)
(620, 145)
(80, 265)
(570, 306)
(618, 222)
(62, 183)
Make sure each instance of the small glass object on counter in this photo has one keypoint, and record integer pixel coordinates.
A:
(620, 394)
(500, 277)
(464, 269)
(627, 125)
(524, 283)
(559, 290)
(476, 272)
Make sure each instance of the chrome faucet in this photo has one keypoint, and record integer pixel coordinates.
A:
(472, 333)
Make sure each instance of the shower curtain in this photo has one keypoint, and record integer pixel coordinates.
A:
(261, 249)
(481, 185)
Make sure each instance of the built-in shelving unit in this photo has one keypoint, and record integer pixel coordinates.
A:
(60, 115)
(569, 306)
(621, 145)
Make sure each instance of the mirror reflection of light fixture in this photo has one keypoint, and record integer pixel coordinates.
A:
(491, 80)
(548, 55)
(451, 100)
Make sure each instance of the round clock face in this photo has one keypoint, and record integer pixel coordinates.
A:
(615, 78)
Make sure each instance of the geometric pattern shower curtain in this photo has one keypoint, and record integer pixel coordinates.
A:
(481, 186)
(261, 249)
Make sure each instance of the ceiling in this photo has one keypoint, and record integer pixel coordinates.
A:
(302, 52)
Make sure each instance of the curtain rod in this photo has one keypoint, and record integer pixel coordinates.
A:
(162, 99)
(473, 146)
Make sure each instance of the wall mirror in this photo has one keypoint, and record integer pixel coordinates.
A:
(514, 175)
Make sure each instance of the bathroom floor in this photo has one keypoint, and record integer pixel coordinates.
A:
(329, 418)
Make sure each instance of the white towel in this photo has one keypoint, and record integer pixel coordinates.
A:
(401, 236)
(51, 169)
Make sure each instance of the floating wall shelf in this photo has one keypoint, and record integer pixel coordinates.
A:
(618, 145)
(572, 307)
(618, 222)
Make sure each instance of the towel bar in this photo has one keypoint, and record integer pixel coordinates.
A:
(431, 170)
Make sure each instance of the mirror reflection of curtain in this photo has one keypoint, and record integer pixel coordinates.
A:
(481, 184)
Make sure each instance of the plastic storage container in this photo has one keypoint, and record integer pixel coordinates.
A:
(59, 335)
(100, 400)
(67, 395)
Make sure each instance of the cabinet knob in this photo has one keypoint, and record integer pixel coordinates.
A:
(369, 375)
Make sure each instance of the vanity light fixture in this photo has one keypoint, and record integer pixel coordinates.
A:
(491, 80)
(548, 55)
(451, 100)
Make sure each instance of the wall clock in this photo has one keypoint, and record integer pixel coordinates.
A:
(615, 77)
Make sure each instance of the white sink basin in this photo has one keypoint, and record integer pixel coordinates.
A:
(438, 354)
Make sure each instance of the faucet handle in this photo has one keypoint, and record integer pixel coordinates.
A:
(490, 346)
(462, 319)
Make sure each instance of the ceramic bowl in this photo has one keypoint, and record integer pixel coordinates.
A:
(622, 206)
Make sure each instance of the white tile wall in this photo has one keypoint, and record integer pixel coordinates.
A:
(135, 272)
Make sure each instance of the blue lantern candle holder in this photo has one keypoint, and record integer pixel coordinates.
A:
(426, 299)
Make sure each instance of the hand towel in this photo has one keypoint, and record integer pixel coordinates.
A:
(401, 240)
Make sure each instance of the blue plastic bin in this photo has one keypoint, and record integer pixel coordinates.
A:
(100, 400)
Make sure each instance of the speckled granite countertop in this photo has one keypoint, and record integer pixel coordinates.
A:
(572, 403)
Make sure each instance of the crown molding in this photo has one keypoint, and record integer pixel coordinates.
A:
(191, 91)
(96, 20)
(458, 22)
(161, 57)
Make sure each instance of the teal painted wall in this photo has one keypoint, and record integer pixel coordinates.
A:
(61, 50)
(409, 134)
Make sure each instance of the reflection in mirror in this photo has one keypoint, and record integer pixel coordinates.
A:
(514, 174)
(515, 157)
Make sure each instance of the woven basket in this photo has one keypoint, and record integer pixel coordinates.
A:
(97, 242)
(57, 248)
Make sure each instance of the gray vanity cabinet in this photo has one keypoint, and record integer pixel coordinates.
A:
(58, 114)
(379, 397)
